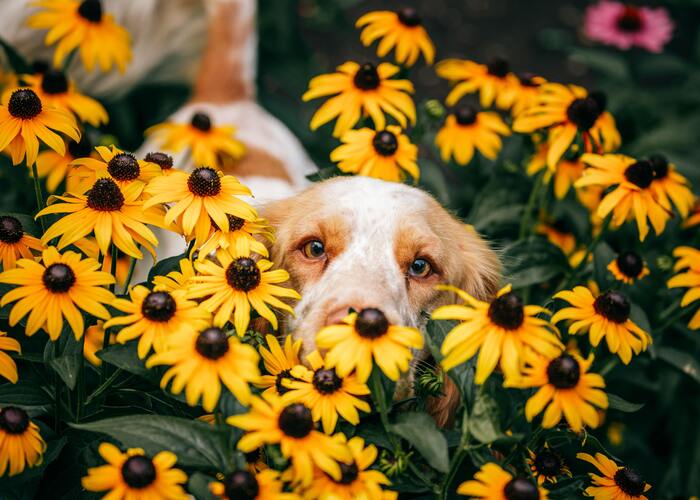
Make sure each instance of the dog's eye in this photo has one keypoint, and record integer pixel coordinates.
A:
(314, 249)
(420, 268)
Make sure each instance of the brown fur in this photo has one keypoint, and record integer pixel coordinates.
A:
(256, 162)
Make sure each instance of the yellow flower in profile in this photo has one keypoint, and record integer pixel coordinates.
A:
(133, 475)
(670, 187)
(15, 243)
(403, 29)
(360, 90)
(500, 330)
(628, 267)
(491, 482)
(632, 193)
(64, 285)
(325, 393)
(546, 465)
(154, 317)
(24, 120)
(57, 167)
(466, 129)
(278, 363)
(21, 444)
(365, 337)
(175, 280)
(94, 338)
(272, 421)
(201, 360)
(527, 93)
(694, 215)
(235, 283)
(240, 237)
(164, 161)
(120, 166)
(616, 483)
(8, 368)
(242, 484)
(205, 142)
(115, 216)
(494, 81)
(83, 25)
(565, 173)
(385, 154)
(688, 259)
(607, 315)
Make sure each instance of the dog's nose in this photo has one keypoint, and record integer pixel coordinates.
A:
(336, 316)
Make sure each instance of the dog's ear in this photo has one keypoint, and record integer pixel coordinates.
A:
(278, 215)
(481, 267)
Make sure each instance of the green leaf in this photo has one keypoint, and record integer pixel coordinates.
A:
(196, 444)
(498, 204)
(165, 266)
(67, 365)
(124, 356)
(617, 403)
(609, 64)
(484, 424)
(531, 261)
(602, 256)
(433, 180)
(19, 64)
(26, 395)
(682, 361)
(198, 485)
(420, 430)
(462, 375)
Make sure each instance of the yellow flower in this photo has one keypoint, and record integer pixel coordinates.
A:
(616, 483)
(385, 154)
(175, 280)
(558, 233)
(123, 168)
(278, 363)
(21, 444)
(24, 120)
(155, 317)
(547, 466)
(494, 81)
(565, 173)
(466, 129)
(240, 237)
(89, 247)
(606, 315)
(133, 475)
(669, 186)
(8, 368)
(367, 336)
(632, 194)
(361, 90)
(265, 485)
(164, 161)
(325, 393)
(402, 29)
(235, 284)
(628, 267)
(527, 93)
(57, 167)
(94, 338)
(500, 329)
(63, 285)
(689, 259)
(82, 24)
(204, 141)
(271, 421)
(493, 483)
(15, 243)
(694, 215)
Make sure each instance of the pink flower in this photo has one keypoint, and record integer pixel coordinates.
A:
(624, 26)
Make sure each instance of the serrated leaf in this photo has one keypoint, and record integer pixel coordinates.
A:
(617, 403)
(420, 430)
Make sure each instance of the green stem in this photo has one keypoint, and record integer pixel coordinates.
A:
(104, 386)
(57, 393)
(671, 319)
(132, 266)
(80, 390)
(527, 214)
(39, 196)
(612, 363)
(459, 456)
(379, 397)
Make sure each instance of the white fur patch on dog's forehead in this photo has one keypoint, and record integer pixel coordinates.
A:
(369, 195)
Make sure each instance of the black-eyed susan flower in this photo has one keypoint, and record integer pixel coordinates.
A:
(8, 368)
(688, 259)
(175, 280)
(155, 316)
(632, 193)
(499, 330)
(271, 421)
(527, 92)
(115, 216)
(120, 166)
(547, 466)
(57, 167)
(134, 475)
(21, 444)
(564, 174)
(245, 485)
(359, 90)
(565, 388)
(357, 479)
(567, 111)
(494, 81)
(607, 315)
(235, 283)
(94, 342)
(491, 482)
(465, 130)
(385, 154)
(670, 187)
(15, 243)
(628, 267)
(83, 25)
(164, 161)
(616, 483)
(90, 248)
(558, 232)
(694, 216)
(240, 237)
(64, 284)
(365, 337)
(325, 393)
(403, 29)
(278, 363)
(200, 361)
(24, 121)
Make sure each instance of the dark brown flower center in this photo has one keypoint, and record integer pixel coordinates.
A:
(630, 264)
(527, 80)
(40, 67)
(348, 473)
(124, 167)
(281, 376)
(91, 10)
(640, 173)
(600, 99)
(296, 421)
(234, 223)
(659, 164)
(548, 463)
(212, 343)
(204, 181)
(630, 481)
(630, 20)
(564, 372)
(105, 196)
(366, 77)
(498, 67)
(138, 472)
(583, 112)
(11, 230)
(241, 485)
(54, 82)
(58, 278)
(521, 489)
(465, 114)
(24, 104)
(161, 159)
(242, 274)
(371, 323)
(507, 311)
(327, 381)
(13, 420)
(408, 16)
(613, 306)
(201, 121)
(158, 306)
(80, 149)
(385, 143)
